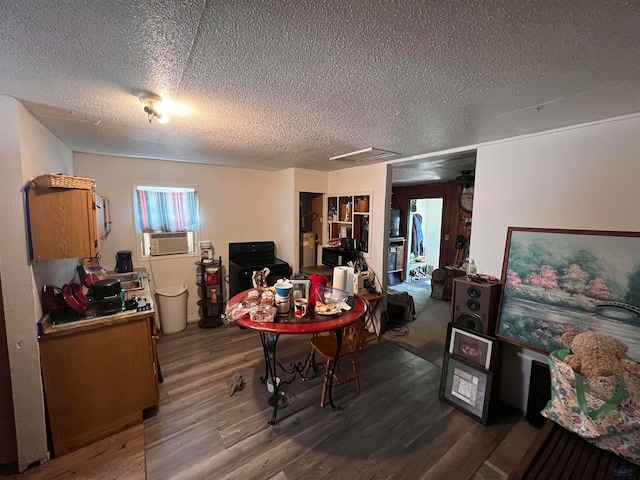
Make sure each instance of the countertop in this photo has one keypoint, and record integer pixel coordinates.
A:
(47, 330)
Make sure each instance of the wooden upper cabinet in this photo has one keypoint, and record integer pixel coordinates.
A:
(65, 223)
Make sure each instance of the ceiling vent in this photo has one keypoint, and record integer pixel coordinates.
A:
(467, 177)
(366, 155)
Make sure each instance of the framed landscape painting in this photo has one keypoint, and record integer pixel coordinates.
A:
(557, 281)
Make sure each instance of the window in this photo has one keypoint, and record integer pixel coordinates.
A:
(162, 214)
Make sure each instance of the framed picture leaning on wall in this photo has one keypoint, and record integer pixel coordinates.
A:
(556, 281)
(466, 386)
(472, 346)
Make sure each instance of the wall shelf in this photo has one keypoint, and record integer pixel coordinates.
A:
(348, 216)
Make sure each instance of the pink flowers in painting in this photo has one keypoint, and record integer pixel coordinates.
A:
(573, 282)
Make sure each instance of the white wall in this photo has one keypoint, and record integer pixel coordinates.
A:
(584, 178)
(27, 149)
(236, 205)
(432, 229)
(373, 180)
(430, 209)
(285, 216)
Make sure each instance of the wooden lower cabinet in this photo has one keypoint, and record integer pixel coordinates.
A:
(98, 381)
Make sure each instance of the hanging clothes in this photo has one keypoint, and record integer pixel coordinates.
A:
(417, 238)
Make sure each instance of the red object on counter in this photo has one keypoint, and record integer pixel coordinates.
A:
(70, 294)
(315, 281)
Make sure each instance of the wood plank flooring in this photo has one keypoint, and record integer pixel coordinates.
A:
(119, 456)
(396, 428)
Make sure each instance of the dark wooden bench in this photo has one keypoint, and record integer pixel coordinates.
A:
(556, 453)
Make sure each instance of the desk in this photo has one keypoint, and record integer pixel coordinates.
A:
(311, 323)
(373, 301)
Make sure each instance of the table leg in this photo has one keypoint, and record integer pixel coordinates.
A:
(265, 353)
(333, 367)
(269, 343)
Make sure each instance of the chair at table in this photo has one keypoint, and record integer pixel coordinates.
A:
(325, 347)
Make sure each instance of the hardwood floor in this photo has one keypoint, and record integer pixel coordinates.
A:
(119, 456)
(395, 428)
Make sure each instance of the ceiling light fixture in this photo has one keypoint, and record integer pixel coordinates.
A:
(152, 107)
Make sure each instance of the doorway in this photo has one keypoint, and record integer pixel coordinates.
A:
(425, 231)
(310, 229)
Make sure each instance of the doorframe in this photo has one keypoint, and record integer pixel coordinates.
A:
(426, 228)
(402, 195)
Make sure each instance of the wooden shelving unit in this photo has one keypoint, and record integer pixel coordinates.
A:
(395, 266)
(348, 216)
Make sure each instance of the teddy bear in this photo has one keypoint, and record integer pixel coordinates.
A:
(595, 354)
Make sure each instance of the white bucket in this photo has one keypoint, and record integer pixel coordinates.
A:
(172, 302)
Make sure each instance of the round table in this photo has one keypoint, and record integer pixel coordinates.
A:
(310, 323)
(323, 270)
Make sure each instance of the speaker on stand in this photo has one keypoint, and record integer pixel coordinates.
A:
(474, 305)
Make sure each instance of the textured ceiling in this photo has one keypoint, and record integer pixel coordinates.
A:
(277, 84)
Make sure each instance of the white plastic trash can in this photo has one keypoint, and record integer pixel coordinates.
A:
(173, 308)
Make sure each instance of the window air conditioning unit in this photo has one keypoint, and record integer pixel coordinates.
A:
(169, 243)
